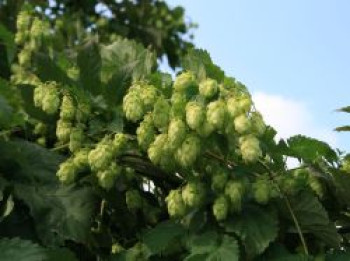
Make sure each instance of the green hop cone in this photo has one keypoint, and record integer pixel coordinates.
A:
(161, 113)
(176, 205)
(119, 143)
(245, 103)
(156, 149)
(221, 207)
(116, 248)
(188, 152)
(149, 96)
(133, 106)
(258, 124)
(261, 190)
(23, 21)
(100, 157)
(146, 132)
(216, 114)
(107, 177)
(184, 81)
(250, 148)
(24, 57)
(208, 88)
(37, 28)
(346, 164)
(176, 133)
(205, 129)
(38, 95)
(242, 124)
(66, 172)
(133, 199)
(233, 107)
(40, 128)
(51, 99)
(80, 159)
(195, 115)
(41, 141)
(178, 105)
(67, 109)
(76, 139)
(193, 194)
(234, 190)
(219, 180)
(63, 130)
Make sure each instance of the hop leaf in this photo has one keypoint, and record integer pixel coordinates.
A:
(220, 208)
(216, 113)
(242, 124)
(161, 113)
(176, 133)
(145, 132)
(133, 106)
(208, 88)
(184, 81)
(51, 100)
(188, 152)
(193, 194)
(195, 115)
(67, 172)
(67, 110)
(133, 199)
(175, 203)
(63, 130)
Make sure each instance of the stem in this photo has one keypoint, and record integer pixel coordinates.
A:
(60, 147)
(229, 164)
(290, 209)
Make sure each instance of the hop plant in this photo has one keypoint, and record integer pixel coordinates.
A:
(80, 159)
(67, 109)
(258, 124)
(175, 203)
(176, 133)
(216, 113)
(250, 148)
(316, 185)
(145, 132)
(220, 208)
(184, 81)
(24, 57)
(156, 149)
(83, 111)
(245, 103)
(37, 28)
(76, 139)
(234, 190)
(178, 105)
(149, 96)
(40, 128)
(346, 164)
(233, 107)
(23, 21)
(195, 115)
(161, 113)
(38, 95)
(242, 124)
(205, 129)
(107, 177)
(219, 180)
(100, 157)
(66, 172)
(119, 143)
(63, 130)
(133, 199)
(193, 194)
(208, 88)
(188, 152)
(261, 190)
(51, 100)
(116, 248)
(133, 106)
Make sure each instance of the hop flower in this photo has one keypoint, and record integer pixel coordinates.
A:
(257, 122)
(155, 150)
(116, 248)
(261, 190)
(175, 203)
(178, 104)
(161, 113)
(208, 88)
(67, 172)
(220, 208)
(107, 177)
(195, 115)
(184, 81)
(40, 128)
(75, 139)
(38, 95)
(41, 141)
(145, 132)
(51, 100)
(234, 191)
(176, 133)
(133, 106)
(346, 164)
(100, 157)
(80, 159)
(119, 143)
(219, 180)
(233, 107)
(63, 130)
(148, 96)
(242, 124)
(205, 129)
(193, 194)
(188, 152)
(133, 199)
(24, 57)
(37, 28)
(67, 110)
(245, 103)
(250, 148)
(216, 113)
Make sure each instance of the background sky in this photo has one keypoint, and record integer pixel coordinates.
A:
(293, 55)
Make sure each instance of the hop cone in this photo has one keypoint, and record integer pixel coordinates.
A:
(188, 152)
(175, 203)
(155, 150)
(193, 194)
(63, 130)
(242, 124)
(184, 81)
(216, 113)
(133, 106)
(66, 172)
(195, 115)
(176, 133)
(220, 208)
(51, 100)
(208, 88)
(161, 113)
(67, 110)
(145, 133)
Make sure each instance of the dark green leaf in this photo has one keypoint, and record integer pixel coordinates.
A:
(256, 233)
(343, 128)
(345, 109)
(16, 249)
(227, 251)
(7, 38)
(338, 256)
(60, 254)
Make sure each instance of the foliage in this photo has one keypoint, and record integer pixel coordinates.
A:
(104, 157)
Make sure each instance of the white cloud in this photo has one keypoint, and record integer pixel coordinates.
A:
(290, 117)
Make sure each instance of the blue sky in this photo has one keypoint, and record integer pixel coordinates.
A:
(293, 55)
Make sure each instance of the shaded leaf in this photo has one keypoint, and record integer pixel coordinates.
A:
(343, 128)
(21, 250)
(227, 251)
